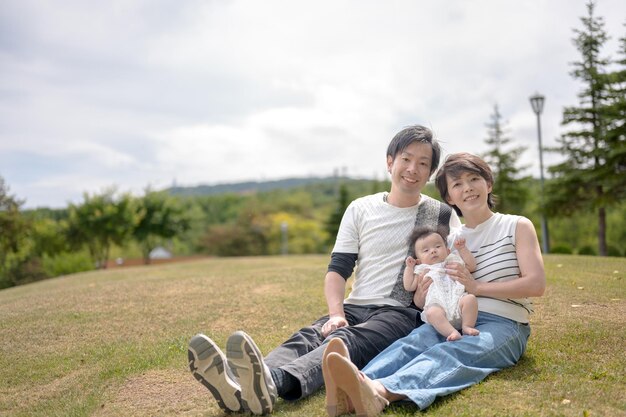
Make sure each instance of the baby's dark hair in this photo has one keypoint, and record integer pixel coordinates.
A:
(420, 232)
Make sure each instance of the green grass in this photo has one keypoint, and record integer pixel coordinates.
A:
(114, 343)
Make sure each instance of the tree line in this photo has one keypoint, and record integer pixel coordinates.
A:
(589, 184)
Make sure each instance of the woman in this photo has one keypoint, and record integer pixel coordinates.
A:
(423, 365)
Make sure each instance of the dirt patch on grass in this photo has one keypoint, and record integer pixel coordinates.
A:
(159, 393)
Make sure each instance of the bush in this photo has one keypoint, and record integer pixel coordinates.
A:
(23, 271)
(587, 250)
(613, 251)
(562, 249)
(233, 240)
(67, 263)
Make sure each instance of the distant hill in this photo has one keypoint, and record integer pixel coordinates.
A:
(251, 187)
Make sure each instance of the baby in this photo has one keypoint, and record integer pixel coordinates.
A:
(448, 308)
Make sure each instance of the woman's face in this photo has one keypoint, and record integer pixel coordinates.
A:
(468, 192)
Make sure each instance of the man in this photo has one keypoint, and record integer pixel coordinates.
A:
(373, 235)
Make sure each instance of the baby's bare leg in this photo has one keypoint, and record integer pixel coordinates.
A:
(469, 314)
(436, 316)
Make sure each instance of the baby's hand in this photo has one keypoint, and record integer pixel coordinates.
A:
(459, 243)
(410, 262)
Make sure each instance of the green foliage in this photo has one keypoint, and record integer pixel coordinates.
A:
(159, 217)
(562, 249)
(65, 263)
(333, 222)
(591, 175)
(303, 235)
(613, 251)
(234, 240)
(587, 250)
(49, 236)
(510, 188)
(101, 221)
(14, 230)
(12, 224)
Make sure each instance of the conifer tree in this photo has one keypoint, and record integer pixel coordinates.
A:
(583, 180)
(333, 222)
(615, 114)
(510, 189)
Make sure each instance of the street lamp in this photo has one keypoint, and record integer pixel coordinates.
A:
(284, 226)
(536, 102)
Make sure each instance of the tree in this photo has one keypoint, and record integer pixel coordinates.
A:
(12, 223)
(13, 230)
(333, 222)
(587, 178)
(158, 217)
(509, 187)
(101, 221)
(615, 133)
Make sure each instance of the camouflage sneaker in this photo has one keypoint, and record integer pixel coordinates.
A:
(209, 366)
(258, 392)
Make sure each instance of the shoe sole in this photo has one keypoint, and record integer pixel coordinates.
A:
(336, 399)
(245, 360)
(223, 389)
(346, 376)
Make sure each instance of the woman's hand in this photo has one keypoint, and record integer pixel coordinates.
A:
(462, 275)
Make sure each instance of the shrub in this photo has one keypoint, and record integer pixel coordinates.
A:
(613, 251)
(587, 250)
(24, 271)
(67, 263)
(562, 249)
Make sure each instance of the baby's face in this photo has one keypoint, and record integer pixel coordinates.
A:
(431, 249)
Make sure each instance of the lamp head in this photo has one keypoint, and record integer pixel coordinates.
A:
(537, 102)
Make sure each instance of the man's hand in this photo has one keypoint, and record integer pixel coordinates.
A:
(333, 324)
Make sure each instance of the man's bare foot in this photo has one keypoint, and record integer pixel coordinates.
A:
(470, 331)
(455, 335)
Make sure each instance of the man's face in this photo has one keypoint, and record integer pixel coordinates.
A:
(410, 169)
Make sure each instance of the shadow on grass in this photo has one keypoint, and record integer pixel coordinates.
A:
(524, 370)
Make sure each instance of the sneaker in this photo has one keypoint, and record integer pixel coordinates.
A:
(209, 366)
(258, 392)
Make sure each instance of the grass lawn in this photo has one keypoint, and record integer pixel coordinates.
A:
(114, 343)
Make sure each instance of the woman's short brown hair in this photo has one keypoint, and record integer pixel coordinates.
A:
(455, 165)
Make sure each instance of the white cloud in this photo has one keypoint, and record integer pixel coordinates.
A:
(146, 92)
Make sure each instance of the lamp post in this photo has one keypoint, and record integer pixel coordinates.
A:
(536, 102)
(284, 226)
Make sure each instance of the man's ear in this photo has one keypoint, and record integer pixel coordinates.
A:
(389, 163)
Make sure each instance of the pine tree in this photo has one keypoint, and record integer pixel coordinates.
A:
(615, 113)
(581, 181)
(333, 222)
(509, 188)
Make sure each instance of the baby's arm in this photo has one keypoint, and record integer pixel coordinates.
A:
(466, 255)
(410, 283)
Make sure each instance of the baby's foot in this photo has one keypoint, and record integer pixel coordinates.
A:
(470, 331)
(455, 335)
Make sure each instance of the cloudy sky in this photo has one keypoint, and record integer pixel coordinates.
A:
(137, 93)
